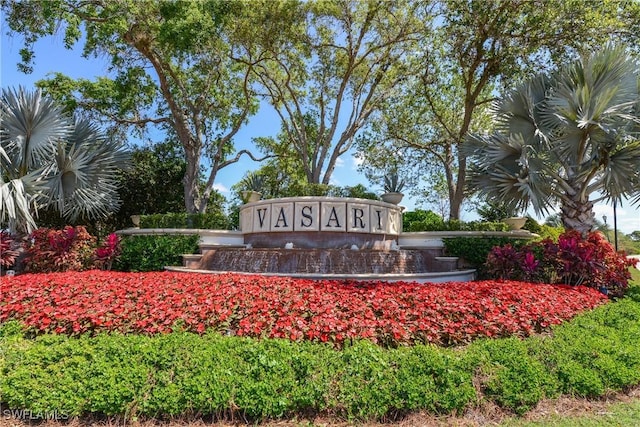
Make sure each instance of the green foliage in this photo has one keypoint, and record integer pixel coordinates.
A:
(428, 117)
(635, 282)
(182, 374)
(169, 69)
(153, 253)
(153, 183)
(436, 379)
(357, 191)
(511, 376)
(532, 226)
(596, 352)
(277, 184)
(474, 250)
(549, 232)
(213, 221)
(421, 220)
(495, 211)
(625, 242)
(350, 53)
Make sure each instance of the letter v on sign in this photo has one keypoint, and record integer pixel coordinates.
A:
(262, 213)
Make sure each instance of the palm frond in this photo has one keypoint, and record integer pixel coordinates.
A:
(621, 175)
(32, 124)
(18, 203)
(519, 111)
(82, 183)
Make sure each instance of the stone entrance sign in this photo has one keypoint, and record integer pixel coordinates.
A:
(319, 222)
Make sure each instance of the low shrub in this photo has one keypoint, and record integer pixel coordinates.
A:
(8, 250)
(510, 375)
(153, 253)
(573, 260)
(598, 351)
(50, 250)
(69, 249)
(550, 232)
(474, 250)
(421, 220)
(182, 374)
(213, 221)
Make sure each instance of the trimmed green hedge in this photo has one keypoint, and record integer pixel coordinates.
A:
(183, 374)
(154, 252)
(212, 221)
(474, 250)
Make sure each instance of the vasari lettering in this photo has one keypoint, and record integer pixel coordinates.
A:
(333, 218)
(358, 214)
(282, 218)
(307, 218)
(262, 213)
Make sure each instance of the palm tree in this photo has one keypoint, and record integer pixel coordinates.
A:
(562, 139)
(51, 159)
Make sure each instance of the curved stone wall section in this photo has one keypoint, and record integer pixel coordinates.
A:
(305, 221)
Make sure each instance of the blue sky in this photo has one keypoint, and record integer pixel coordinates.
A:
(51, 56)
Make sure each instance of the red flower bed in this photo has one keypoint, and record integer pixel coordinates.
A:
(334, 311)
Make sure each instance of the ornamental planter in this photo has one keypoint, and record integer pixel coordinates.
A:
(250, 196)
(515, 223)
(135, 219)
(393, 198)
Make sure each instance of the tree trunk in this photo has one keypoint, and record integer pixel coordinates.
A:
(578, 215)
(191, 191)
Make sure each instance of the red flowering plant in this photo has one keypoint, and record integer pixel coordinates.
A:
(574, 260)
(390, 314)
(50, 250)
(8, 250)
(107, 252)
(509, 263)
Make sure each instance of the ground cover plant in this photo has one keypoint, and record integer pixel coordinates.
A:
(295, 309)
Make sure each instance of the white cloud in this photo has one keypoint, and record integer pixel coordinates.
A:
(357, 161)
(339, 162)
(220, 187)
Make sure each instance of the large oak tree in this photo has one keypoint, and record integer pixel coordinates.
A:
(170, 68)
(343, 58)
